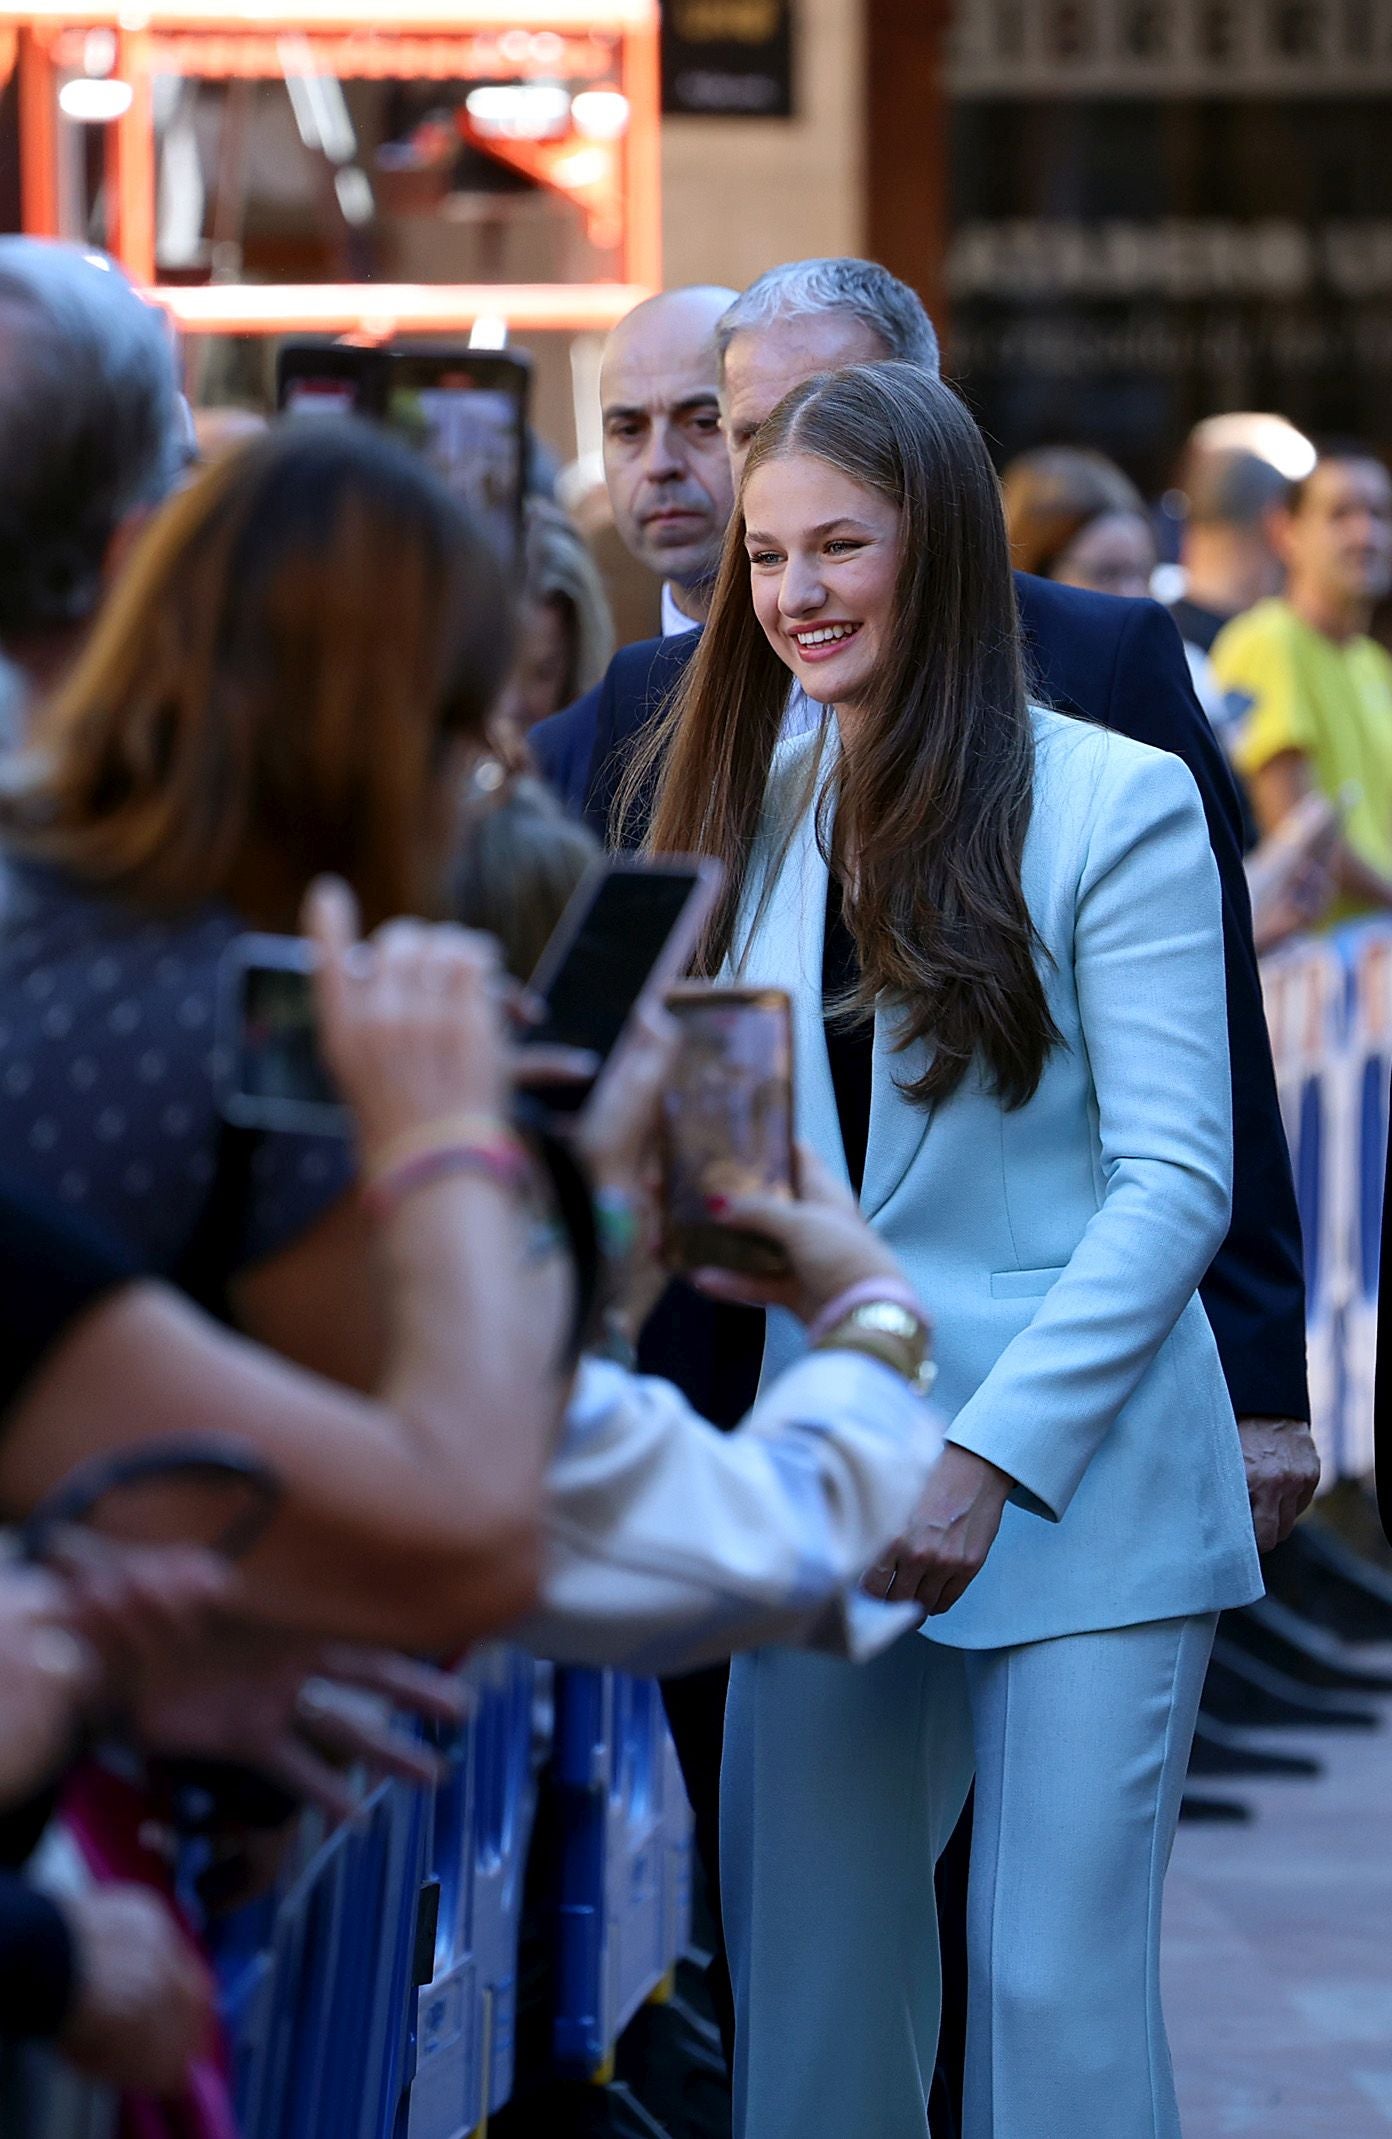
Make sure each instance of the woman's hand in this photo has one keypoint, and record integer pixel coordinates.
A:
(826, 1240)
(617, 1138)
(953, 1529)
(411, 1023)
(74, 1632)
(47, 1675)
(143, 2003)
(297, 1711)
(617, 1132)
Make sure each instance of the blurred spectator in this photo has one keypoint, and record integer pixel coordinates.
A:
(1312, 692)
(665, 461)
(565, 628)
(1228, 543)
(1072, 516)
(522, 858)
(293, 678)
(219, 431)
(93, 432)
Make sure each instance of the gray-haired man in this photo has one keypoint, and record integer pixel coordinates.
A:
(93, 430)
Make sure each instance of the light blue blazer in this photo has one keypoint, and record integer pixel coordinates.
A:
(1059, 1247)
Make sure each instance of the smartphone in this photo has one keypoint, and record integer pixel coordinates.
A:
(627, 932)
(329, 379)
(727, 1124)
(465, 410)
(270, 1072)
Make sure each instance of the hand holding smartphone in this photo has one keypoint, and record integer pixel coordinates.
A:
(626, 934)
(727, 1128)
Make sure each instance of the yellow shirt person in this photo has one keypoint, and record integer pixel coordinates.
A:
(1294, 688)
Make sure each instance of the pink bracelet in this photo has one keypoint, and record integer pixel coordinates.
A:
(861, 1295)
(502, 1160)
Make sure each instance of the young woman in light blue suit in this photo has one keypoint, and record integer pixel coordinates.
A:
(1033, 915)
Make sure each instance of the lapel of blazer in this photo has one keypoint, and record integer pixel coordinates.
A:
(787, 943)
(897, 1129)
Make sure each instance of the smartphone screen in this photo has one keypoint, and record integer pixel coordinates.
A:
(727, 1123)
(629, 927)
(272, 1074)
(327, 379)
(467, 414)
(320, 397)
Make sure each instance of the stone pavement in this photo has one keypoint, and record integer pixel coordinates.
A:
(1278, 1949)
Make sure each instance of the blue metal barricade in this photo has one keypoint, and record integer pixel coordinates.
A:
(1306, 1001)
(467, 2013)
(623, 1899)
(321, 2017)
(1368, 953)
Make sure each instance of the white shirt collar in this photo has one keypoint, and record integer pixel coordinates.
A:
(673, 619)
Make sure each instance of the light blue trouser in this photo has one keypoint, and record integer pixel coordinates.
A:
(841, 1785)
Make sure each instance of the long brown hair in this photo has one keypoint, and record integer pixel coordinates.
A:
(271, 691)
(1052, 495)
(933, 798)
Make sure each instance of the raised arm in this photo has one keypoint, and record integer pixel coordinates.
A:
(411, 1516)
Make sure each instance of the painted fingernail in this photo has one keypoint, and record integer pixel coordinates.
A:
(717, 1205)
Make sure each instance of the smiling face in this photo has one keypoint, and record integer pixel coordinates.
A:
(824, 557)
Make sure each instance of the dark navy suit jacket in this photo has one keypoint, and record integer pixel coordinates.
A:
(1119, 663)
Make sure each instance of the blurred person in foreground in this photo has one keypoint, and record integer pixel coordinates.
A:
(1073, 516)
(1311, 692)
(565, 635)
(103, 1972)
(93, 435)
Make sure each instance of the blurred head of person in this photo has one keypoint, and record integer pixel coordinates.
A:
(565, 632)
(522, 857)
(1335, 538)
(1232, 498)
(93, 433)
(293, 677)
(1071, 515)
(219, 431)
(869, 530)
(664, 451)
(805, 318)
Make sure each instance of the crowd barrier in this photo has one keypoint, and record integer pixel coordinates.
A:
(624, 1884)
(1329, 1007)
(375, 1996)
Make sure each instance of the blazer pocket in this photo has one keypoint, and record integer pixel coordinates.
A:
(1023, 1284)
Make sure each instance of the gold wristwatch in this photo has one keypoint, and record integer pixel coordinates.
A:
(884, 1330)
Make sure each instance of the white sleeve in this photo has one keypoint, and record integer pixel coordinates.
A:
(670, 1545)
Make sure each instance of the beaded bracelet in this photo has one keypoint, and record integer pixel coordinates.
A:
(501, 1160)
